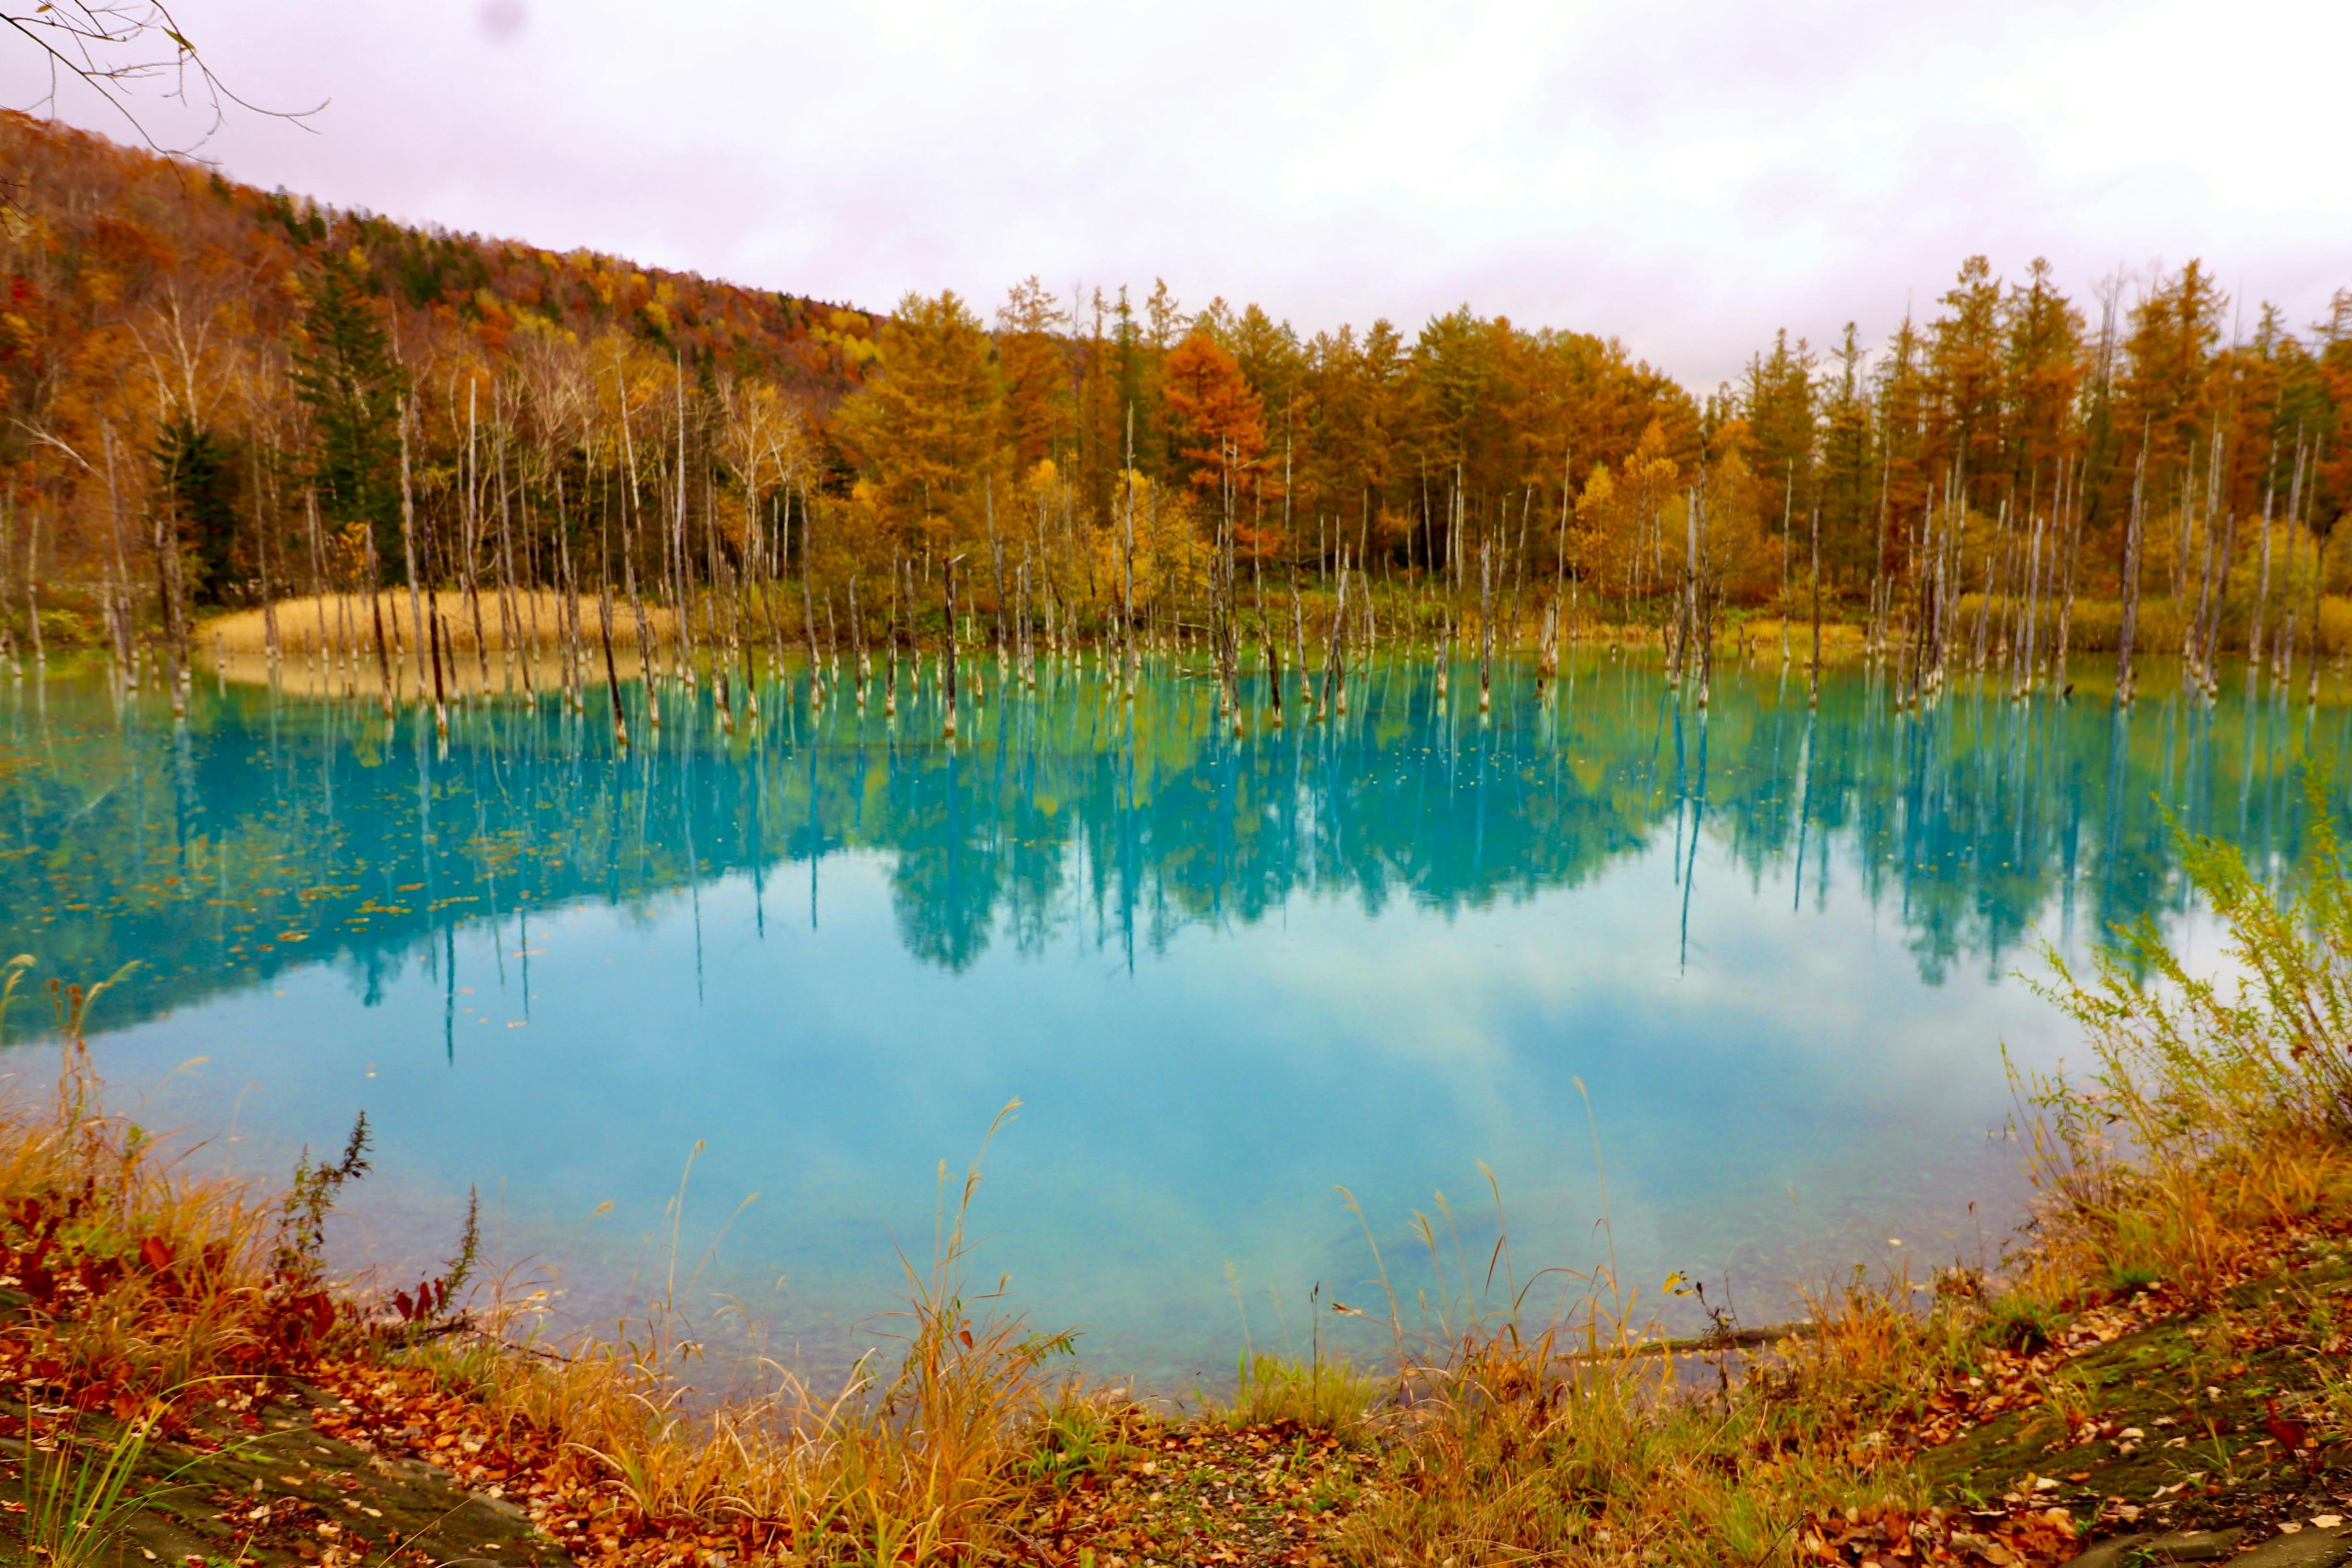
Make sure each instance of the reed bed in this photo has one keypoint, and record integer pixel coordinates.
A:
(2095, 626)
(336, 623)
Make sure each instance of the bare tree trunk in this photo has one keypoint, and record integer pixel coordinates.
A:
(33, 594)
(891, 652)
(2030, 637)
(631, 517)
(2123, 683)
(1813, 696)
(471, 536)
(1486, 624)
(1332, 678)
(375, 605)
(996, 557)
(408, 551)
(1298, 645)
(604, 630)
(2318, 576)
(808, 613)
(1788, 516)
(948, 679)
(319, 578)
(2217, 571)
(2263, 600)
(7, 625)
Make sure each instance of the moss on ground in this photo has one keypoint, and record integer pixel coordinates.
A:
(258, 1480)
(2165, 1427)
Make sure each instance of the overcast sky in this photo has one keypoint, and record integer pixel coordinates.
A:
(1686, 174)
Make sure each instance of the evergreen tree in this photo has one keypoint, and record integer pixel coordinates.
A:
(1849, 472)
(1965, 358)
(199, 484)
(2043, 376)
(343, 374)
(1037, 392)
(1779, 406)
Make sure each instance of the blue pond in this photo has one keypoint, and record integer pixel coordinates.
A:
(1261, 1000)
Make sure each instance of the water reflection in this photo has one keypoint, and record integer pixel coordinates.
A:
(1772, 943)
(268, 833)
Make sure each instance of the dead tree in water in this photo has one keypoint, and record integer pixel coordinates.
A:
(2125, 685)
(1331, 675)
(891, 652)
(857, 639)
(1298, 646)
(1273, 674)
(1787, 515)
(2263, 600)
(375, 602)
(808, 619)
(408, 550)
(1813, 696)
(630, 517)
(948, 679)
(2068, 523)
(1486, 625)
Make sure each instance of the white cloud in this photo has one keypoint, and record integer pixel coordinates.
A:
(1687, 177)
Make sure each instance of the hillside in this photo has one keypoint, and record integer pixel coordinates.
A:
(116, 226)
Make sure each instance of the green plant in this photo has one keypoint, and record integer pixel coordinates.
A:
(308, 1199)
(77, 1495)
(1320, 1396)
(2211, 1105)
(425, 1308)
(1075, 1436)
(2019, 1322)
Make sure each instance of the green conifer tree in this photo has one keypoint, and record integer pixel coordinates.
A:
(343, 374)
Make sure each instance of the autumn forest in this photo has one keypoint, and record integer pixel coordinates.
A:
(220, 397)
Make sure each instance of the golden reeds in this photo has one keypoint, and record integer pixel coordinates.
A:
(301, 622)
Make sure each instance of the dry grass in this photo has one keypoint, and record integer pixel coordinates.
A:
(1320, 1396)
(914, 1464)
(1577, 1439)
(349, 621)
(139, 1276)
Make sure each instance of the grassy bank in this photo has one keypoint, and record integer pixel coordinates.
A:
(2163, 1349)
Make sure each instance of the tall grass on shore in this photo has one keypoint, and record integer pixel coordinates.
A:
(136, 1280)
(2214, 1105)
(135, 1275)
(348, 623)
(915, 1463)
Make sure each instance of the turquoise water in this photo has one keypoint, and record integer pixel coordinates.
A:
(1776, 953)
